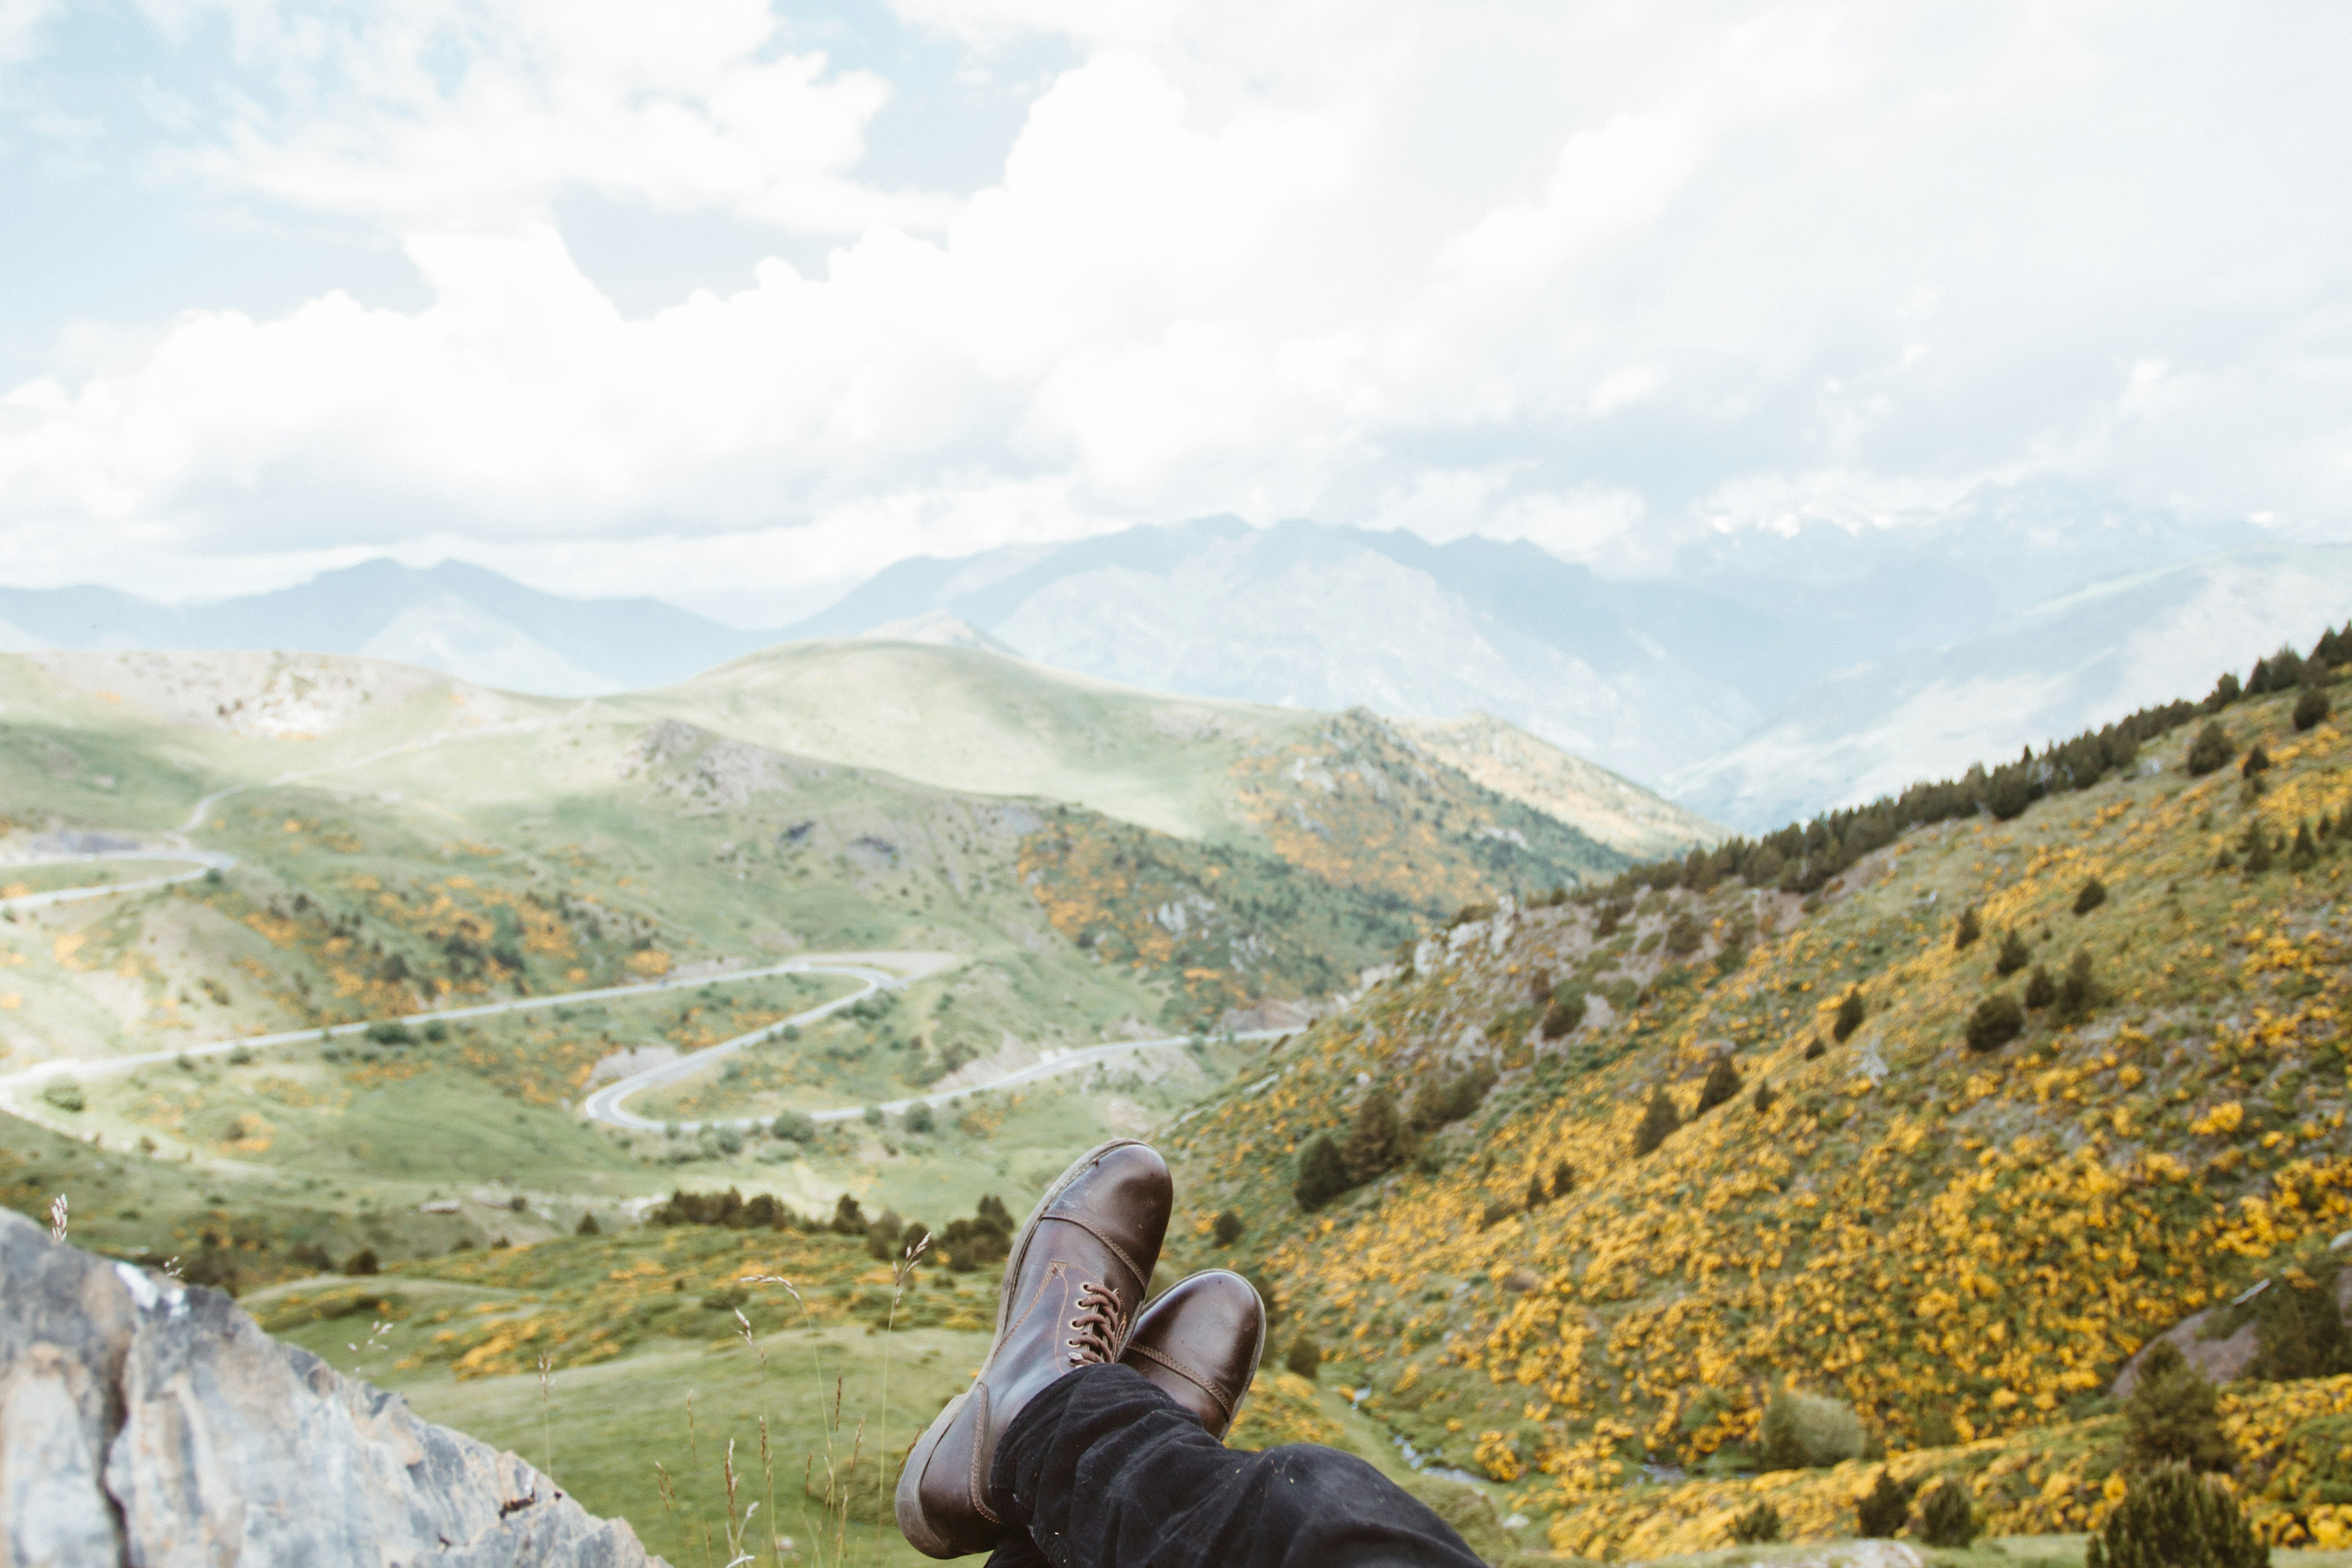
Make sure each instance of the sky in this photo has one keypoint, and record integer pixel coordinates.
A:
(735, 304)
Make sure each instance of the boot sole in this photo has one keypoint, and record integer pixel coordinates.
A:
(920, 1534)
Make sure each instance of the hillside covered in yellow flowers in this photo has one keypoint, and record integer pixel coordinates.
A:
(1964, 1242)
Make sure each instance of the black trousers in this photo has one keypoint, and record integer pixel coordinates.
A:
(1103, 1470)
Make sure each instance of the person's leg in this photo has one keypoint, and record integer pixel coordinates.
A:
(1103, 1470)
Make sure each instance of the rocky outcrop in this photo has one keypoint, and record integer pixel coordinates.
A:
(154, 1425)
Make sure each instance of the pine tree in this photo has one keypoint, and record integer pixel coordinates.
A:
(2211, 750)
(1997, 1020)
(2258, 760)
(2078, 994)
(1763, 1098)
(1658, 1123)
(2014, 955)
(2094, 893)
(1967, 930)
(1563, 1179)
(2256, 847)
(1563, 1013)
(2304, 853)
(1881, 1513)
(2310, 708)
(2172, 1416)
(1376, 1142)
(1947, 1518)
(2173, 1518)
(1322, 1174)
(1535, 1194)
(2039, 989)
(1850, 1015)
(1723, 1081)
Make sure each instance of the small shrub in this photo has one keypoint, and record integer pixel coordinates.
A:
(1763, 1098)
(2310, 708)
(587, 1225)
(2014, 955)
(1322, 1174)
(792, 1124)
(363, 1261)
(1850, 1015)
(1563, 1013)
(2255, 844)
(1965, 932)
(64, 1094)
(1305, 1357)
(2173, 1416)
(1496, 1211)
(1723, 1082)
(2039, 989)
(1947, 1517)
(1228, 1228)
(1539, 986)
(389, 1035)
(1535, 1194)
(2258, 760)
(2211, 750)
(882, 1236)
(920, 1120)
(1815, 1048)
(1684, 935)
(2173, 1518)
(1658, 1122)
(1884, 1510)
(2093, 894)
(1806, 1431)
(1758, 1525)
(1563, 1179)
(1439, 1101)
(1998, 1019)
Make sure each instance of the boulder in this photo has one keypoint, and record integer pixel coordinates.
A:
(147, 1423)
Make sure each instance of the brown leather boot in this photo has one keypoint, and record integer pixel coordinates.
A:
(1199, 1345)
(1076, 1275)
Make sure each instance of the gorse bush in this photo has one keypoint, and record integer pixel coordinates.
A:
(2173, 1518)
(1808, 1431)
(1756, 1526)
(1997, 1020)
(2173, 1416)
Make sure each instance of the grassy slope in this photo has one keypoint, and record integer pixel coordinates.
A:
(1923, 1230)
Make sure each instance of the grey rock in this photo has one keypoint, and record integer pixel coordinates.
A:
(154, 1425)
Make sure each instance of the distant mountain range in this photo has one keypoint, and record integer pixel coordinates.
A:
(455, 618)
(1765, 676)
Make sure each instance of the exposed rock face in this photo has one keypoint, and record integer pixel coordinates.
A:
(152, 1425)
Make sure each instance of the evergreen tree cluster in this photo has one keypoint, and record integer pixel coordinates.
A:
(1802, 857)
(1380, 1139)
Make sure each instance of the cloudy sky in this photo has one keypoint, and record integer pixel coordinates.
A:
(733, 301)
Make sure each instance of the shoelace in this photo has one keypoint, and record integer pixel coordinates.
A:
(1100, 1327)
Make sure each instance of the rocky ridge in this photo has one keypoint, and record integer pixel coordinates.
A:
(147, 1422)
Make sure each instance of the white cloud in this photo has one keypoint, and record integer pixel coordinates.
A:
(21, 22)
(1585, 277)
